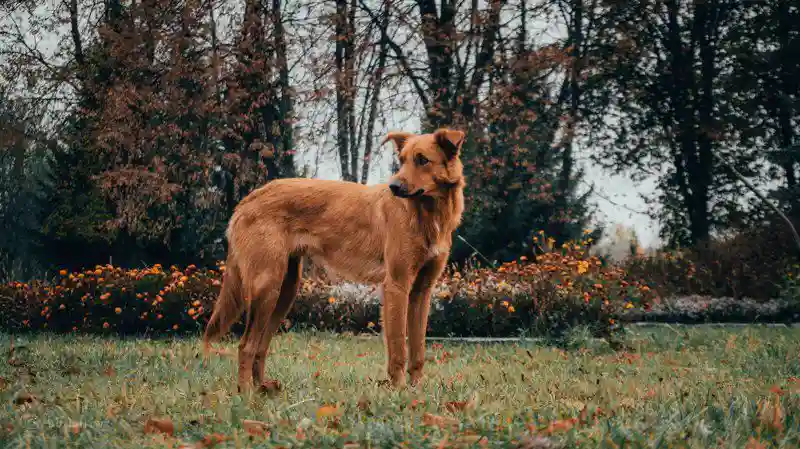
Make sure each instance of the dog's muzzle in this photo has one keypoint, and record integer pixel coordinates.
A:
(401, 191)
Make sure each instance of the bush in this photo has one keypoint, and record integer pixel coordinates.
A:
(752, 264)
(561, 290)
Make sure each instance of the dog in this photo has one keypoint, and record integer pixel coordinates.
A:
(397, 235)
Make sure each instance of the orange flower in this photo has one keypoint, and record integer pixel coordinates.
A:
(63, 272)
(511, 309)
(174, 327)
(331, 300)
(196, 303)
(192, 312)
(117, 310)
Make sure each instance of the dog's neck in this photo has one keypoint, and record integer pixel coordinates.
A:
(440, 216)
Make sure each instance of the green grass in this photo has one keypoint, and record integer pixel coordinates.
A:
(673, 388)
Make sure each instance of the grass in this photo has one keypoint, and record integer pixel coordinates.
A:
(697, 388)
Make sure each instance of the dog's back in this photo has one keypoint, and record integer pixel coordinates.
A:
(340, 225)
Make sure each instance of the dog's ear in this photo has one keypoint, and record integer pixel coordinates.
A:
(450, 141)
(398, 137)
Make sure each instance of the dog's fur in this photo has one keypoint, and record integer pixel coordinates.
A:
(397, 234)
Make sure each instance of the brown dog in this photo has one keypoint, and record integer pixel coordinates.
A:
(397, 234)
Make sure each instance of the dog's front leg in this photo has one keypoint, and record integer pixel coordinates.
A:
(419, 308)
(395, 311)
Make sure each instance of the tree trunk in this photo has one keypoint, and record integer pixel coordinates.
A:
(350, 74)
(438, 35)
(285, 108)
(700, 170)
(377, 81)
(576, 38)
(342, 111)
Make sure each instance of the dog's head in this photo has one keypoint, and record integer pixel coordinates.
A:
(430, 163)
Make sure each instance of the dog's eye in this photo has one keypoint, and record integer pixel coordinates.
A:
(422, 160)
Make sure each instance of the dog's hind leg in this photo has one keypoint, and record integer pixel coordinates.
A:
(263, 290)
(291, 282)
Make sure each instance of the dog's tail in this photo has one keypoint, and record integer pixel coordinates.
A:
(228, 308)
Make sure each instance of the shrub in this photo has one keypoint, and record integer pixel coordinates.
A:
(752, 264)
(561, 289)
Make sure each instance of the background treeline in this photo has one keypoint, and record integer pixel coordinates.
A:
(130, 129)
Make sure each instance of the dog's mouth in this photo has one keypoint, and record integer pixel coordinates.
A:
(417, 193)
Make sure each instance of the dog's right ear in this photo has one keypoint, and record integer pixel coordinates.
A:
(398, 137)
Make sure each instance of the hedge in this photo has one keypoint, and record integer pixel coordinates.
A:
(561, 289)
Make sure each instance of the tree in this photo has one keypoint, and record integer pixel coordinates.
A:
(662, 79)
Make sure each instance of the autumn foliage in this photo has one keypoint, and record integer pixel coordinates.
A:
(564, 287)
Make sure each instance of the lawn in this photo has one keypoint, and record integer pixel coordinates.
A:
(700, 387)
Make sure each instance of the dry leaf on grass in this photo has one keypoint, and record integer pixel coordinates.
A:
(561, 425)
(465, 441)
(327, 411)
(771, 414)
(73, 428)
(363, 403)
(159, 425)
(270, 387)
(441, 422)
(210, 441)
(417, 403)
(458, 406)
(255, 428)
(23, 397)
(752, 443)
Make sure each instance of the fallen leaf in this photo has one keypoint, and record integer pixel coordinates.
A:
(212, 440)
(74, 428)
(441, 422)
(771, 413)
(561, 425)
(752, 443)
(23, 397)
(363, 403)
(270, 387)
(159, 425)
(255, 428)
(327, 411)
(457, 406)
(417, 403)
(15, 362)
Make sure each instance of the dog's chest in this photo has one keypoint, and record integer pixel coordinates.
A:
(436, 250)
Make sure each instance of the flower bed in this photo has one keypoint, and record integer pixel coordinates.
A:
(559, 290)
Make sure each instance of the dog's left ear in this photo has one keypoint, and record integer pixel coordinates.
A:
(450, 141)
(398, 137)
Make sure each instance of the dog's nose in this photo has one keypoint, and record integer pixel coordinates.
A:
(397, 188)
